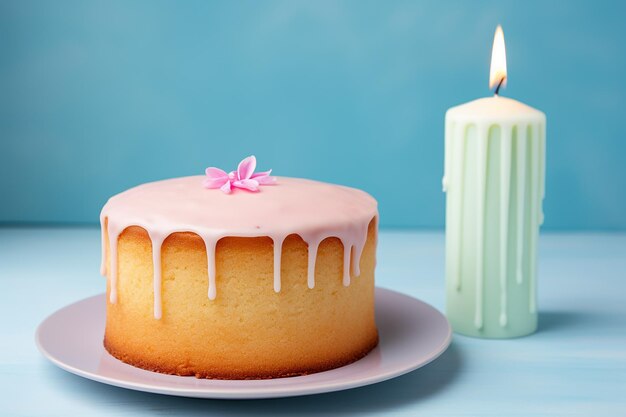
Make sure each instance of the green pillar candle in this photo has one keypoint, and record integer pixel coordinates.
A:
(494, 180)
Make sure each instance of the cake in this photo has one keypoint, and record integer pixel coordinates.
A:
(265, 277)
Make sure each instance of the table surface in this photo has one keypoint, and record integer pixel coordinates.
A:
(574, 365)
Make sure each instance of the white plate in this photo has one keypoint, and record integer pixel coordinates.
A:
(412, 334)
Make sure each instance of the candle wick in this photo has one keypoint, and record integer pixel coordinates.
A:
(499, 85)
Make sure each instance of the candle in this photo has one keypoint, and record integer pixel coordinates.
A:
(494, 176)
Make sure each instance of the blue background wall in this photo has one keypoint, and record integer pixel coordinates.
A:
(97, 97)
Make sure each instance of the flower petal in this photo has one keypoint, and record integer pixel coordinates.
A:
(214, 182)
(226, 187)
(213, 172)
(250, 185)
(246, 168)
(261, 174)
(266, 180)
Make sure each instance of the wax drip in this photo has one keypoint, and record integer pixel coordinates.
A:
(542, 177)
(505, 187)
(460, 195)
(454, 177)
(481, 186)
(534, 213)
(446, 157)
(521, 138)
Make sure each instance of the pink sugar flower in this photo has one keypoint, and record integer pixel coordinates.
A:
(244, 178)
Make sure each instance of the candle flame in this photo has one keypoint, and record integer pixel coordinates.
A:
(497, 72)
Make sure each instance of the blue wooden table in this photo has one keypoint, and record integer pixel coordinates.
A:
(574, 365)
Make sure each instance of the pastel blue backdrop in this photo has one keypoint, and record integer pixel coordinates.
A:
(96, 97)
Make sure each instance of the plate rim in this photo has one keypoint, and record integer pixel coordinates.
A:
(292, 390)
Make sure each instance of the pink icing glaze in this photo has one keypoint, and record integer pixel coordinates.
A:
(313, 210)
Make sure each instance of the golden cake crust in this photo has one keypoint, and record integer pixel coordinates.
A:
(249, 331)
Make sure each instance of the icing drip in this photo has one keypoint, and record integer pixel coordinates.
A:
(358, 243)
(113, 235)
(103, 242)
(356, 268)
(210, 245)
(505, 191)
(347, 250)
(313, 210)
(278, 253)
(310, 276)
(157, 243)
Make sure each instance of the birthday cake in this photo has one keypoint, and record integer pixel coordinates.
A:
(239, 275)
